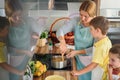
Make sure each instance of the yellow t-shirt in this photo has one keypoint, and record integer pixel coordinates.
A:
(2, 53)
(100, 54)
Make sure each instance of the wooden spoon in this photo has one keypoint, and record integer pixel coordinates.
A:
(62, 57)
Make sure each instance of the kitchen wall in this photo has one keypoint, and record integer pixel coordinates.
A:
(2, 11)
(111, 10)
(1, 3)
(110, 4)
(47, 17)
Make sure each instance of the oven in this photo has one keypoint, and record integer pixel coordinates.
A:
(113, 15)
(114, 35)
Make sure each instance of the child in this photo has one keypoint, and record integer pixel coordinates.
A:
(4, 66)
(99, 27)
(114, 64)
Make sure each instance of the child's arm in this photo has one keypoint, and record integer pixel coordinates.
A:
(110, 70)
(11, 69)
(88, 68)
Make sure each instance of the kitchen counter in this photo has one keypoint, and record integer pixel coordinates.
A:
(64, 73)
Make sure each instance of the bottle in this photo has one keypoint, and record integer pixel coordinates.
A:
(50, 46)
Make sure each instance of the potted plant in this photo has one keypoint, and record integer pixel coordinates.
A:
(42, 39)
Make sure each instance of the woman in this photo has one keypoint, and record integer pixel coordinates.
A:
(83, 38)
(19, 37)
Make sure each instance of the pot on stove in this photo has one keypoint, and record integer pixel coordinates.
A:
(58, 63)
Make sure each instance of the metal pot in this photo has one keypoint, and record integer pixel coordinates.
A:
(58, 63)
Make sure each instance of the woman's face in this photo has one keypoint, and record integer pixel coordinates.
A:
(16, 17)
(85, 18)
(114, 60)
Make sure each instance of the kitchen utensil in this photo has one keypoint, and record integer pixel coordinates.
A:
(69, 37)
(58, 63)
(62, 57)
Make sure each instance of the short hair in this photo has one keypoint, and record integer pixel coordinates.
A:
(12, 6)
(89, 7)
(3, 22)
(100, 22)
(115, 50)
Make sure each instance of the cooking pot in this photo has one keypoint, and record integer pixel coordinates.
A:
(58, 63)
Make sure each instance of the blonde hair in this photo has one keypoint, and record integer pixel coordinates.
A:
(89, 7)
(12, 6)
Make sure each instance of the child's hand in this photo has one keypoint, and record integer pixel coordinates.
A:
(110, 68)
(75, 73)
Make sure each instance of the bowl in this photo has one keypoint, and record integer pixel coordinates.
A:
(54, 77)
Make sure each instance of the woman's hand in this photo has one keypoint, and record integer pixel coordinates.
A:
(63, 48)
(71, 54)
(35, 35)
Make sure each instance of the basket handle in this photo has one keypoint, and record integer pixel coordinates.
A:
(52, 25)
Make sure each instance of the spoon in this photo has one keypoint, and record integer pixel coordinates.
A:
(62, 57)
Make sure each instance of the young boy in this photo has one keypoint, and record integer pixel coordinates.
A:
(99, 27)
(114, 64)
(4, 66)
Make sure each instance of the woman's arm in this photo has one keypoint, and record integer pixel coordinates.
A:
(68, 27)
(75, 52)
(15, 50)
(63, 46)
(11, 69)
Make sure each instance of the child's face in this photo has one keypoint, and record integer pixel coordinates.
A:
(114, 60)
(4, 32)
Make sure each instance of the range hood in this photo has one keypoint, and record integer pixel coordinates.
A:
(58, 4)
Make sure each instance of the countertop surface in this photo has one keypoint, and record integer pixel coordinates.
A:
(65, 73)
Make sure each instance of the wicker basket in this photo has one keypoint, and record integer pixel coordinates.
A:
(69, 37)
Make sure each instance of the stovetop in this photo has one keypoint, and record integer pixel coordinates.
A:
(46, 59)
